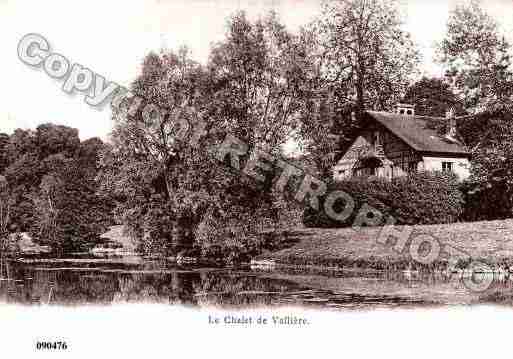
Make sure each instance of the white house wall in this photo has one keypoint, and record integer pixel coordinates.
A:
(395, 151)
(343, 169)
(460, 166)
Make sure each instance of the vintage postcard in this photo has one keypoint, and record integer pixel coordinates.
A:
(243, 178)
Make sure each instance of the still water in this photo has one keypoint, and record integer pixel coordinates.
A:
(133, 280)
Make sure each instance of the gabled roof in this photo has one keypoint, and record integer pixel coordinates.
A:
(415, 132)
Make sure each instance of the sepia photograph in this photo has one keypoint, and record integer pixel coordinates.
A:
(254, 178)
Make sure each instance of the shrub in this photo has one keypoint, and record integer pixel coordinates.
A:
(360, 191)
(421, 198)
(486, 202)
(237, 237)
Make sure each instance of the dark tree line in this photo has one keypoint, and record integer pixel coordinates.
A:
(49, 179)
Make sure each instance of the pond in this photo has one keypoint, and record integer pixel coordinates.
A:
(87, 281)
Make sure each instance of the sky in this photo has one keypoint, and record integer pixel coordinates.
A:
(112, 37)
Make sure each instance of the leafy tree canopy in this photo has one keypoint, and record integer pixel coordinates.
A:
(477, 57)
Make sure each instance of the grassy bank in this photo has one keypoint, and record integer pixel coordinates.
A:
(491, 242)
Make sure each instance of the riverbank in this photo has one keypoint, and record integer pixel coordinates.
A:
(491, 242)
(22, 244)
(347, 249)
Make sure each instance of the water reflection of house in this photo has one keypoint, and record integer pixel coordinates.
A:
(395, 144)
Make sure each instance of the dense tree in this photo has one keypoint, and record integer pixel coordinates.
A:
(51, 184)
(359, 58)
(141, 168)
(180, 195)
(88, 154)
(47, 212)
(489, 190)
(367, 49)
(4, 161)
(325, 107)
(477, 57)
(23, 174)
(5, 209)
(258, 79)
(433, 97)
(478, 62)
(51, 139)
(69, 215)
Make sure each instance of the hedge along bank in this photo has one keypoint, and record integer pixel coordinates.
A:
(34, 50)
(420, 198)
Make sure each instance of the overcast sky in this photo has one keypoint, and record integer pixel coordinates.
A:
(112, 37)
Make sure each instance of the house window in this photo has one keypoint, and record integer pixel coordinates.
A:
(447, 166)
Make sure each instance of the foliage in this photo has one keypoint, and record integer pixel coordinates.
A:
(47, 211)
(265, 85)
(142, 170)
(422, 198)
(4, 140)
(257, 80)
(166, 189)
(433, 97)
(479, 62)
(477, 57)
(240, 235)
(69, 215)
(5, 209)
(51, 183)
(359, 57)
(367, 48)
(489, 190)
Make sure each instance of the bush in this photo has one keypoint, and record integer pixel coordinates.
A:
(486, 202)
(421, 198)
(237, 237)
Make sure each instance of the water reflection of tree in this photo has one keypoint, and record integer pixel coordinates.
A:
(193, 288)
(197, 288)
(167, 288)
(24, 284)
(72, 287)
(239, 290)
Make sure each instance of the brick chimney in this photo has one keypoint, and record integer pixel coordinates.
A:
(405, 109)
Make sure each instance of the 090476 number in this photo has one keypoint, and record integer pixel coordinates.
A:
(51, 346)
